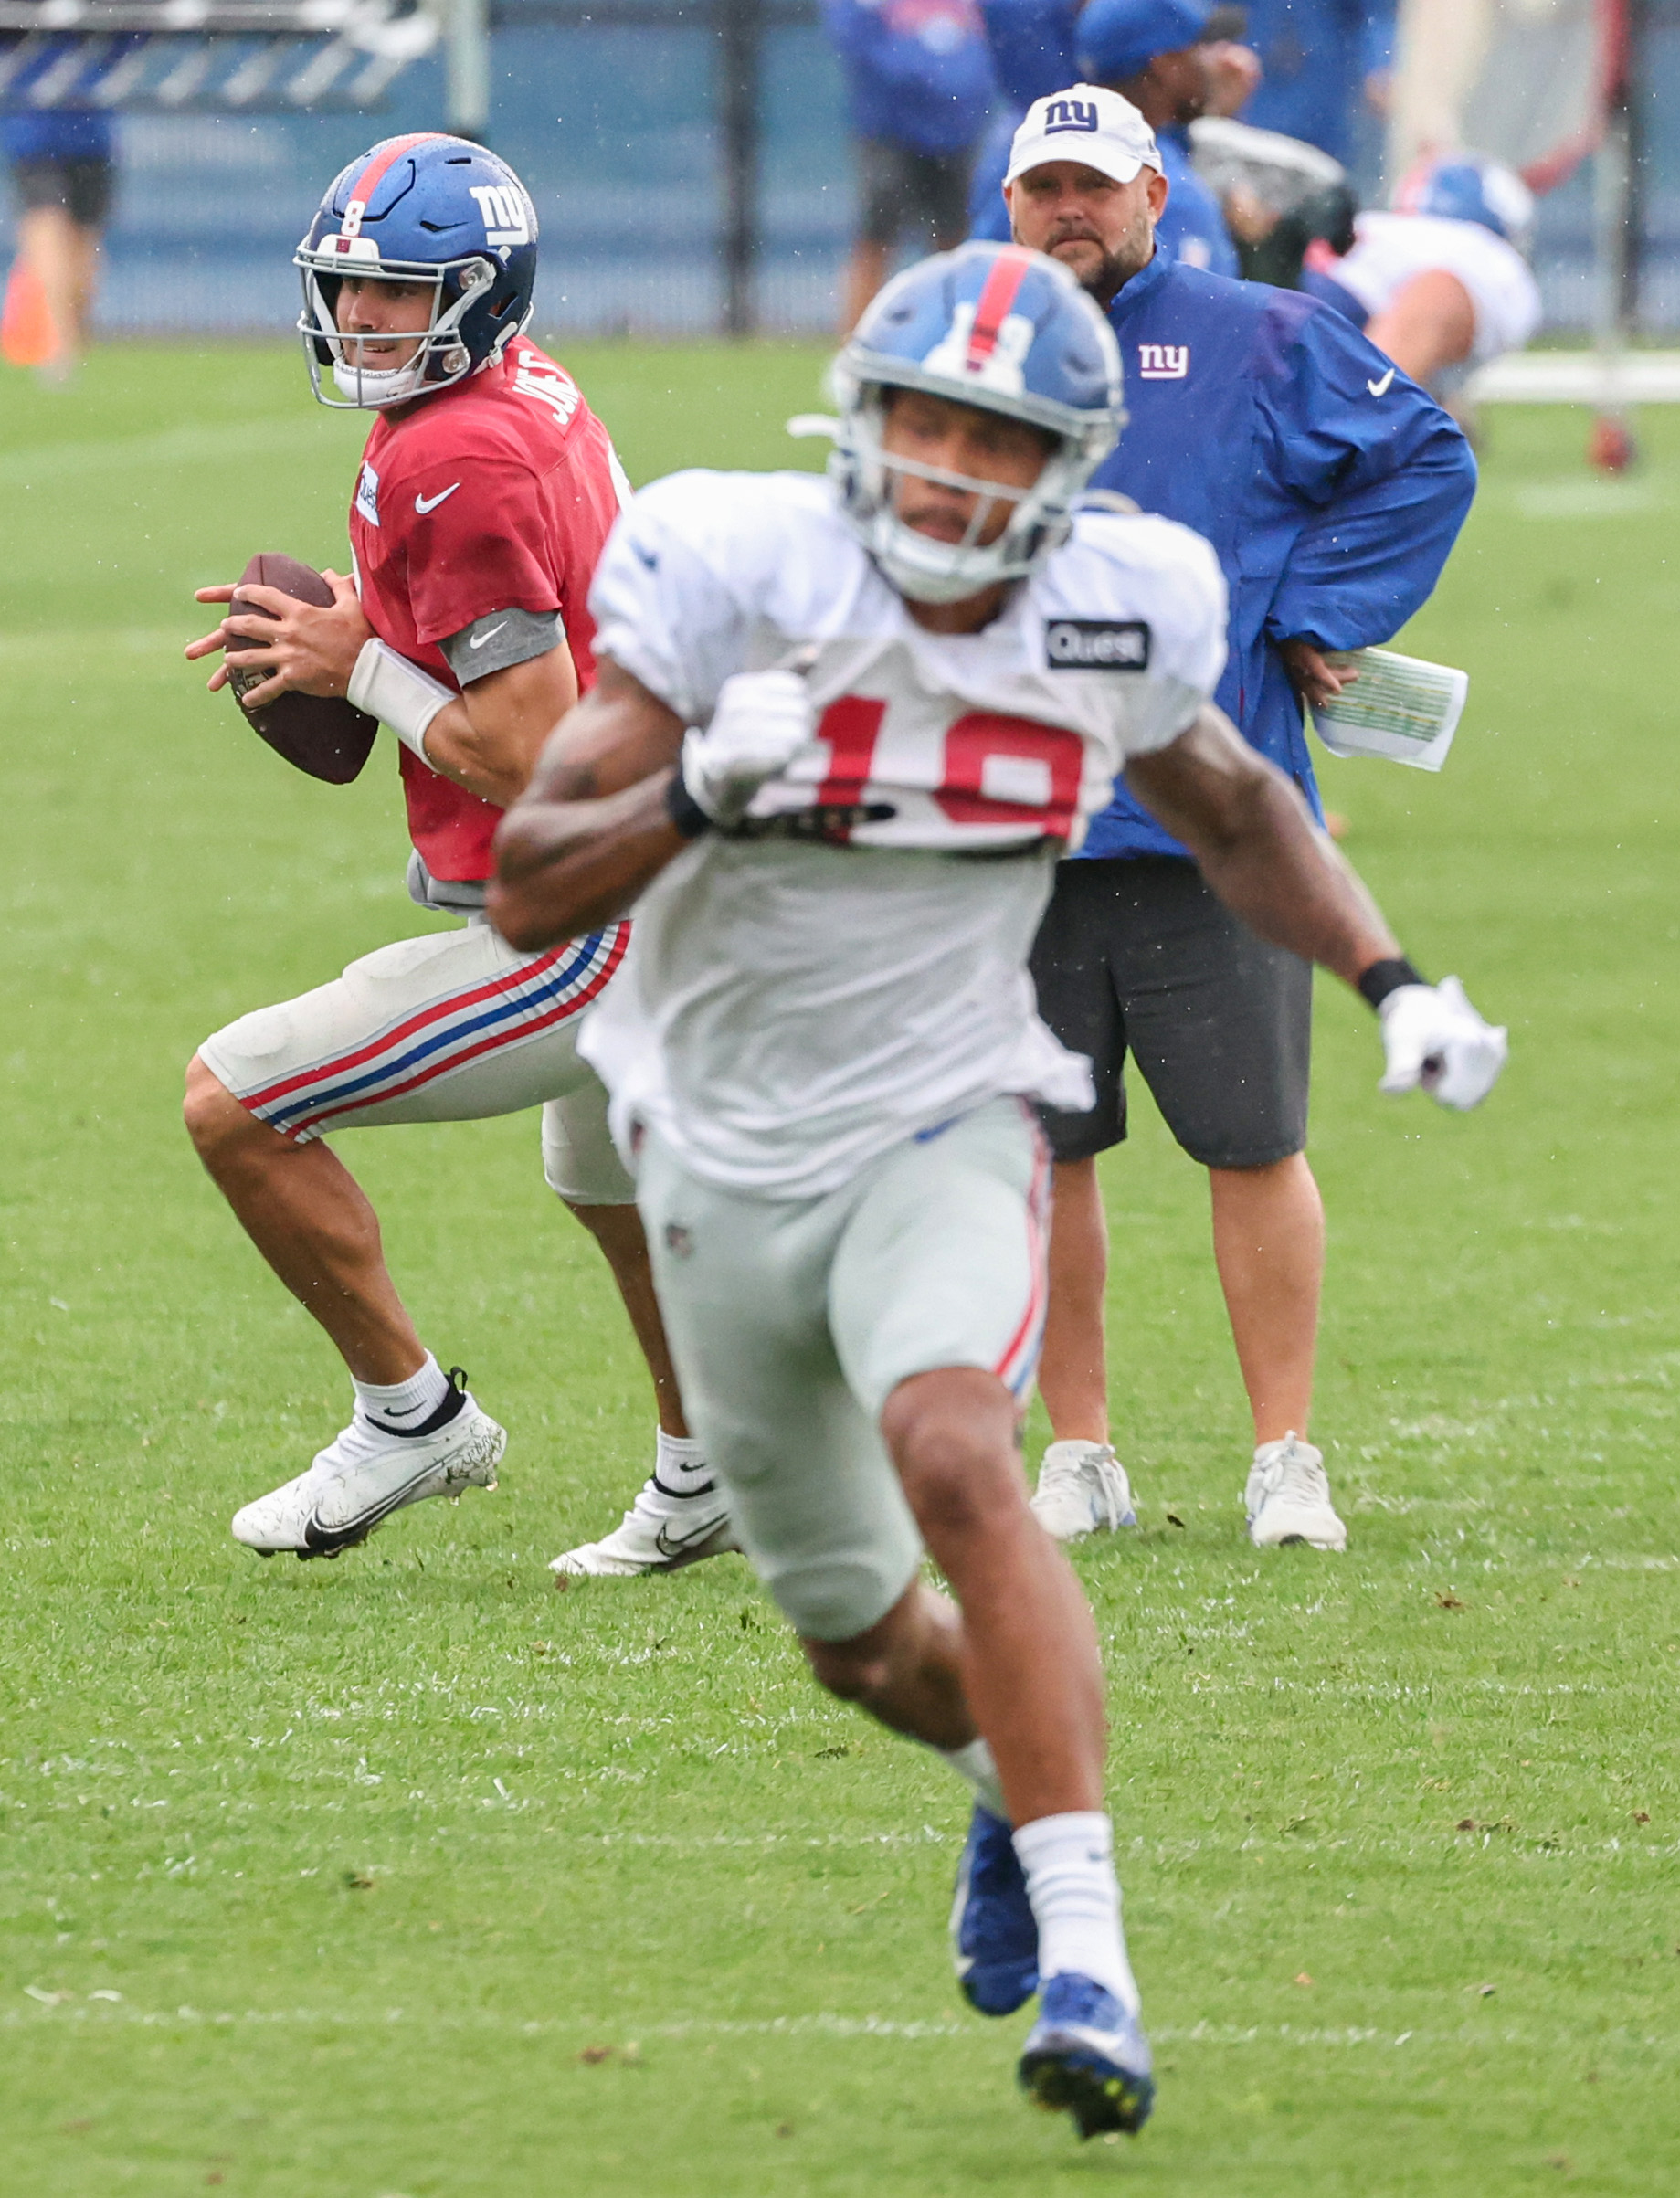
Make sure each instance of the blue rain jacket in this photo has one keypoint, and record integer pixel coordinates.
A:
(1331, 488)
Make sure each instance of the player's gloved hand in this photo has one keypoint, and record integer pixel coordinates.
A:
(762, 720)
(1435, 1042)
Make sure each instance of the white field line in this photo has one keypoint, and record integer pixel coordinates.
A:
(58, 2006)
(49, 646)
(44, 463)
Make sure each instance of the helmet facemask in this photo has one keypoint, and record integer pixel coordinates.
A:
(441, 357)
(920, 566)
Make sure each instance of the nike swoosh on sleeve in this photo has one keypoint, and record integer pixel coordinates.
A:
(479, 639)
(1381, 388)
(429, 503)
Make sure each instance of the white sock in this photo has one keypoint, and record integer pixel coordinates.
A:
(679, 1465)
(399, 1407)
(1070, 1865)
(974, 1765)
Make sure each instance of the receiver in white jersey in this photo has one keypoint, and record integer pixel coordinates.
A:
(796, 1002)
(1390, 249)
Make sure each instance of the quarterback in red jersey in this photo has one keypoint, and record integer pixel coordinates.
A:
(486, 492)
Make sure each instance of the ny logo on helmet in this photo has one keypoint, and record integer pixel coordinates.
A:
(503, 209)
(1069, 114)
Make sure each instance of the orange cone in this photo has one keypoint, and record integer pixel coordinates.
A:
(27, 337)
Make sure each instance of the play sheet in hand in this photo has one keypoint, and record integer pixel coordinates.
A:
(1399, 706)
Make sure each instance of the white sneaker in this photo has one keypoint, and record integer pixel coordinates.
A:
(1288, 1497)
(659, 1533)
(1082, 1489)
(364, 1475)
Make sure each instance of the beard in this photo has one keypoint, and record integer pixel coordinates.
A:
(1104, 278)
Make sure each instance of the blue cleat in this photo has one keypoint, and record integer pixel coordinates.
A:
(1087, 2056)
(993, 1938)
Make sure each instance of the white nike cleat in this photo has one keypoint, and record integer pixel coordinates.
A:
(1082, 1489)
(659, 1533)
(1288, 1497)
(366, 1475)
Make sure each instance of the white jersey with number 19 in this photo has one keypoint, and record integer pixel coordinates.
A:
(854, 969)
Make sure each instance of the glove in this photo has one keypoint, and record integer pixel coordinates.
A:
(1434, 1039)
(762, 720)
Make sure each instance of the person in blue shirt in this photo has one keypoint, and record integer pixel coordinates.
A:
(1332, 488)
(61, 159)
(1323, 60)
(919, 84)
(1154, 53)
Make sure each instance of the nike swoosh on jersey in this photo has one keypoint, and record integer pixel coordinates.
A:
(1381, 388)
(429, 503)
(479, 639)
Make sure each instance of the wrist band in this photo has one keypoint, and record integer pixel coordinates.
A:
(683, 808)
(388, 687)
(1383, 977)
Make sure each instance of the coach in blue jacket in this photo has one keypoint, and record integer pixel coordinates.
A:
(1152, 50)
(1332, 488)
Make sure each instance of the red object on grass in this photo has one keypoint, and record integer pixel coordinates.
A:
(27, 337)
(1611, 447)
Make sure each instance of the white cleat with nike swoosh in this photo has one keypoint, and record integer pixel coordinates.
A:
(660, 1533)
(371, 1470)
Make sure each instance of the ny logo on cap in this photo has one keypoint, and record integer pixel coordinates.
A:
(1069, 114)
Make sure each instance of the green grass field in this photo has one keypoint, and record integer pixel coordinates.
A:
(406, 1875)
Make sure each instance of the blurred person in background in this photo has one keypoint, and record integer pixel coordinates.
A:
(919, 82)
(1440, 283)
(1331, 489)
(1326, 66)
(62, 159)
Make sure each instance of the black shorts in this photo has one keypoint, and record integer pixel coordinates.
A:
(1138, 953)
(82, 187)
(902, 188)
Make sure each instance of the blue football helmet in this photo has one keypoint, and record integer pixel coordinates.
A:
(1008, 331)
(429, 209)
(1470, 186)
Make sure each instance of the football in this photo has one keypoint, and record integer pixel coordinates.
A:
(320, 734)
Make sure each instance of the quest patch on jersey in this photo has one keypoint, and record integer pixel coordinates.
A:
(1097, 644)
(367, 494)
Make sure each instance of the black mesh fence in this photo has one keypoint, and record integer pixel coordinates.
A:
(690, 161)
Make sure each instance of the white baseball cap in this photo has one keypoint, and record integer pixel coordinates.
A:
(1097, 128)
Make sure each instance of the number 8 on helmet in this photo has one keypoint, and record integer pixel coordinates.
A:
(431, 210)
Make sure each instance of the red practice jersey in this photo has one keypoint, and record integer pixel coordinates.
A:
(495, 495)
